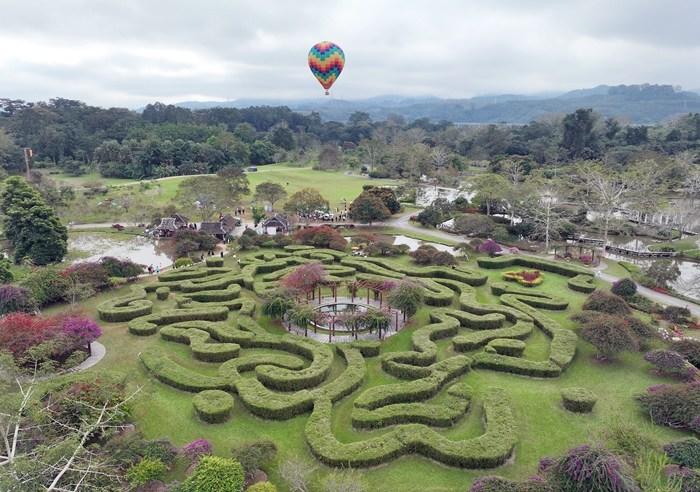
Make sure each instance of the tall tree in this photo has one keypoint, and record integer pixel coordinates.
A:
(31, 225)
(543, 209)
(211, 194)
(368, 208)
(269, 192)
(305, 201)
(602, 192)
(580, 139)
(489, 189)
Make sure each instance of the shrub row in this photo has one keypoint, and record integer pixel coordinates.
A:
(506, 346)
(413, 364)
(533, 298)
(471, 341)
(459, 273)
(562, 348)
(368, 348)
(298, 247)
(417, 390)
(199, 342)
(214, 261)
(147, 325)
(486, 451)
(578, 400)
(125, 308)
(435, 294)
(581, 283)
(349, 381)
(182, 274)
(213, 406)
(444, 414)
(564, 269)
(516, 365)
(227, 294)
(321, 356)
(362, 265)
(173, 374)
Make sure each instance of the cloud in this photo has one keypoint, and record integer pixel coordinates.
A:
(130, 52)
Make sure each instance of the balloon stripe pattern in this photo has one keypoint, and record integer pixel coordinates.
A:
(326, 61)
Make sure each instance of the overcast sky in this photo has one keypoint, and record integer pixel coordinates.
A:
(130, 52)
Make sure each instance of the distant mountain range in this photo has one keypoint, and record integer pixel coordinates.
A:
(640, 104)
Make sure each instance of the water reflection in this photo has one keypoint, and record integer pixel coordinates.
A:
(138, 249)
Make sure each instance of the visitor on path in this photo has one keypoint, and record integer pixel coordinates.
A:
(158, 269)
(222, 254)
(150, 269)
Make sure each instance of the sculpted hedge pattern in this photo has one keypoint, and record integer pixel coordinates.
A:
(292, 374)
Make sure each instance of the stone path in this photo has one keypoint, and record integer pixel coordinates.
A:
(97, 351)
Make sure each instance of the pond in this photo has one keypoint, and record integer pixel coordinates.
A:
(91, 246)
(414, 243)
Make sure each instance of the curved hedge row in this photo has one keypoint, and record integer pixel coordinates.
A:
(459, 273)
(148, 325)
(471, 341)
(125, 308)
(444, 414)
(199, 342)
(171, 373)
(213, 406)
(321, 356)
(491, 449)
(506, 346)
(214, 261)
(361, 265)
(417, 390)
(581, 283)
(532, 297)
(565, 269)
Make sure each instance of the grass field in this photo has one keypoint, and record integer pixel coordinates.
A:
(543, 426)
(337, 187)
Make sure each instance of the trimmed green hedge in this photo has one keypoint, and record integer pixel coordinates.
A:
(459, 273)
(581, 283)
(368, 348)
(444, 414)
(417, 390)
(125, 308)
(491, 449)
(214, 261)
(362, 265)
(561, 268)
(507, 346)
(171, 373)
(148, 325)
(162, 293)
(578, 400)
(282, 379)
(200, 342)
(531, 297)
(213, 406)
(516, 365)
(474, 340)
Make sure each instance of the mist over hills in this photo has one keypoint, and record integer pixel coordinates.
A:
(638, 104)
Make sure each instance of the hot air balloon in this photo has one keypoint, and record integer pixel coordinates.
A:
(326, 61)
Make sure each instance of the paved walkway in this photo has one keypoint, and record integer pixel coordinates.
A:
(97, 351)
(659, 297)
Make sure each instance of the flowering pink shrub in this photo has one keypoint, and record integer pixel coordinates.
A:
(80, 329)
(14, 299)
(490, 247)
(304, 278)
(197, 448)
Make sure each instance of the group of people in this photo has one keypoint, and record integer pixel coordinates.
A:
(151, 269)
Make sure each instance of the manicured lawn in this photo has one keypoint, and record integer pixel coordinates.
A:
(543, 426)
(141, 195)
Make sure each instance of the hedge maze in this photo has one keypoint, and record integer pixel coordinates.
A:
(212, 309)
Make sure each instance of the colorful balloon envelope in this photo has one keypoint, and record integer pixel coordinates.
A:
(326, 61)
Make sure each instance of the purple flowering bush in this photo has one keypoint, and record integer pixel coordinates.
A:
(16, 299)
(587, 468)
(670, 363)
(196, 449)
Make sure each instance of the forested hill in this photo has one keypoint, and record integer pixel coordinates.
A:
(638, 104)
